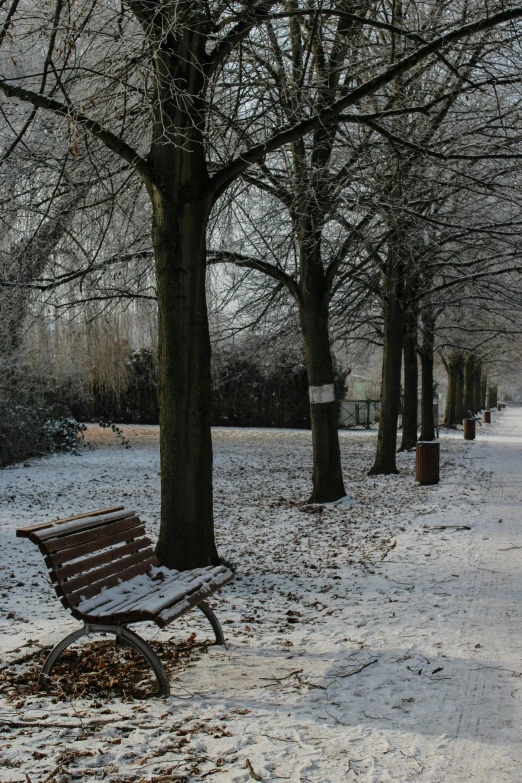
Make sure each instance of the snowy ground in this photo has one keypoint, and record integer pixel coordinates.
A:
(368, 643)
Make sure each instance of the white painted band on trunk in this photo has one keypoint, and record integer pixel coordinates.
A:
(320, 394)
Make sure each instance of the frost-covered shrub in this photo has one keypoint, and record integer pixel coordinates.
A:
(63, 433)
(253, 387)
(31, 425)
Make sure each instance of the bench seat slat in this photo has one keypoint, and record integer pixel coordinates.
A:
(87, 563)
(168, 601)
(146, 590)
(148, 604)
(78, 525)
(122, 576)
(99, 534)
(25, 532)
(156, 602)
(96, 577)
(55, 560)
(170, 609)
(164, 603)
(148, 586)
(172, 612)
(146, 596)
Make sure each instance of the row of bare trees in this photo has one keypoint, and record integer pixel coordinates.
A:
(353, 164)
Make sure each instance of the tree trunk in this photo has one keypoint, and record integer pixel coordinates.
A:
(477, 396)
(426, 355)
(391, 370)
(182, 197)
(450, 417)
(411, 382)
(483, 391)
(459, 395)
(492, 397)
(469, 386)
(186, 537)
(327, 476)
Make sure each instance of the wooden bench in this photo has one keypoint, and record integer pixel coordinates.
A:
(105, 572)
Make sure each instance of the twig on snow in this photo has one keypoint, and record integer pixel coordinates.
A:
(286, 677)
(414, 759)
(310, 684)
(71, 703)
(435, 679)
(336, 719)
(253, 774)
(211, 772)
(356, 671)
(17, 724)
(373, 717)
(498, 669)
(389, 550)
(56, 771)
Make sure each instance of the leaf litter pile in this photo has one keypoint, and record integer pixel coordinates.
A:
(101, 669)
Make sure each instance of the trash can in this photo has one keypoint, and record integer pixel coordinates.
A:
(469, 429)
(427, 462)
(486, 417)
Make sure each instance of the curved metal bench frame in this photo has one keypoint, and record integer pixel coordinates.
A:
(126, 636)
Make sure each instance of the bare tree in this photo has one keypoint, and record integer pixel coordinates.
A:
(166, 88)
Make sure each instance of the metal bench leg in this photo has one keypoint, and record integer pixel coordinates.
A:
(120, 632)
(44, 679)
(148, 653)
(214, 622)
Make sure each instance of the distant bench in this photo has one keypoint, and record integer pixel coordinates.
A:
(105, 571)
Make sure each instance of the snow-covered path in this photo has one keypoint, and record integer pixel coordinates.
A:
(488, 732)
(379, 643)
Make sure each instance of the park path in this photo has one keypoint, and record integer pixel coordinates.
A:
(490, 716)
(471, 725)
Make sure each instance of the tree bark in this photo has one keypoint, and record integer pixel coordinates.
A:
(483, 391)
(477, 396)
(411, 382)
(426, 356)
(459, 395)
(327, 476)
(182, 197)
(469, 386)
(391, 366)
(186, 538)
(450, 417)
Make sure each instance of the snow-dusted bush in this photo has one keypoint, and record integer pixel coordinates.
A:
(31, 422)
(258, 387)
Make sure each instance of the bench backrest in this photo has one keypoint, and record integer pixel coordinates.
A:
(91, 551)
